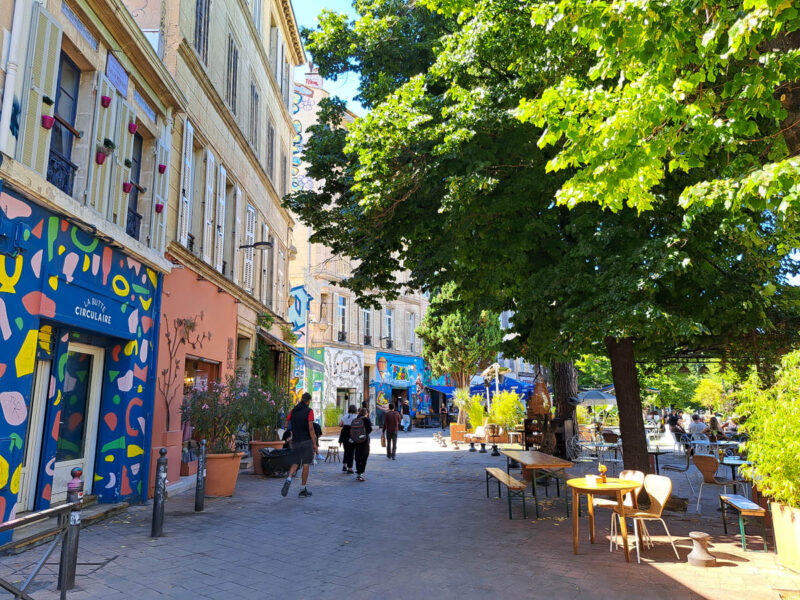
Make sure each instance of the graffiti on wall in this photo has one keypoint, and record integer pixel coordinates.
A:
(302, 99)
(401, 372)
(299, 308)
(57, 279)
(343, 369)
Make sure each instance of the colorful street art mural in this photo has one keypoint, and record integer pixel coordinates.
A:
(299, 308)
(302, 99)
(401, 372)
(343, 369)
(61, 284)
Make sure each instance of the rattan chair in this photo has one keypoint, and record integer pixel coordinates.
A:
(708, 466)
(658, 489)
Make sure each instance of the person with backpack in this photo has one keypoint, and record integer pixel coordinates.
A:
(304, 442)
(344, 439)
(360, 429)
(391, 425)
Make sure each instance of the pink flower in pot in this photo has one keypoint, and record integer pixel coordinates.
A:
(100, 157)
(132, 127)
(159, 207)
(105, 101)
(162, 168)
(47, 121)
(127, 186)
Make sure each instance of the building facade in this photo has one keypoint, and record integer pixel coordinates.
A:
(228, 238)
(83, 130)
(366, 354)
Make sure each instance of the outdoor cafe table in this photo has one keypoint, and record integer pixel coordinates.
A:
(655, 452)
(733, 463)
(613, 487)
(533, 460)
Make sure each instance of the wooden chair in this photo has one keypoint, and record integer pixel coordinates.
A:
(708, 466)
(684, 469)
(658, 489)
(600, 502)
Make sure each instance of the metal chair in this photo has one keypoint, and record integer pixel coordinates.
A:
(579, 453)
(610, 456)
(684, 469)
(708, 466)
(658, 489)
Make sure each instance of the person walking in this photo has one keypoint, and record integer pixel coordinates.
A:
(360, 429)
(344, 438)
(406, 415)
(443, 414)
(304, 443)
(390, 427)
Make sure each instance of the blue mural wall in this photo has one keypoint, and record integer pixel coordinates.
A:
(58, 284)
(401, 372)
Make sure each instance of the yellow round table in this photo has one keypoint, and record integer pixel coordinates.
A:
(613, 487)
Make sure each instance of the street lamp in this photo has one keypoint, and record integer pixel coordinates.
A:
(256, 245)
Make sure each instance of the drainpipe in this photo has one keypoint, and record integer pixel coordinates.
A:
(11, 75)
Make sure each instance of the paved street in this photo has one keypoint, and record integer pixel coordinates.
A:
(419, 527)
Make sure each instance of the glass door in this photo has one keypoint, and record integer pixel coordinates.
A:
(80, 407)
(33, 439)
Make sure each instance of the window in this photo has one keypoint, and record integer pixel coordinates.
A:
(202, 10)
(367, 319)
(284, 173)
(60, 169)
(341, 316)
(411, 334)
(389, 332)
(254, 116)
(270, 157)
(232, 74)
(257, 14)
(134, 218)
(249, 240)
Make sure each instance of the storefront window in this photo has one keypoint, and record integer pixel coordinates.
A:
(198, 373)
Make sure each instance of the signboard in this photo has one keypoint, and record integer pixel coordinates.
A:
(117, 75)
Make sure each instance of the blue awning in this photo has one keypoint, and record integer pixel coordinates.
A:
(447, 390)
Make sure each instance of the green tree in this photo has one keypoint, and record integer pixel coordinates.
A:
(709, 394)
(594, 370)
(457, 343)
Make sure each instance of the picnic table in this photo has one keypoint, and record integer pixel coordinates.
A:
(613, 487)
(536, 461)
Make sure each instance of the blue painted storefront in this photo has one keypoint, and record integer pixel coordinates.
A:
(60, 284)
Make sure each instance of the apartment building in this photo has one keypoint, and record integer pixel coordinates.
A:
(85, 137)
(360, 353)
(228, 238)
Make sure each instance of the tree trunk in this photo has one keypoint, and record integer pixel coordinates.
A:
(565, 386)
(629, 402)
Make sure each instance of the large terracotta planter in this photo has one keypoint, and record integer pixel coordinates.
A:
(222, 470)
(255, 446)
(786, 527)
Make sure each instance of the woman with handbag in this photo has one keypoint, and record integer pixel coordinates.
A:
(344, 439)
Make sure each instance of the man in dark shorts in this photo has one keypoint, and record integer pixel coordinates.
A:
(304, 442)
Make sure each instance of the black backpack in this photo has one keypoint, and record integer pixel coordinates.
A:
(358, 432)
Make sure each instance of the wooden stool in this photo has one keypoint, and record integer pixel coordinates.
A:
(333, 454)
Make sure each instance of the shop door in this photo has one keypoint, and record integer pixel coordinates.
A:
(33, 438)
(77, 433)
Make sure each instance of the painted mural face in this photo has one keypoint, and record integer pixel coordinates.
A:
(56, 279)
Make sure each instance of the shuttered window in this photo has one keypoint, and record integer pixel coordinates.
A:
(270, 156)
(202, 16)
(284, 173)
(249, 253)
(280, 300)
(219, 225)
(237, 232)
(104, 120)
(118, 209)
(367, 320)
(341, 317)
(255, 117)
(185, 208)
(412, 336)
(158, 215)
(208, 208)
(232, 74)
(41, 84)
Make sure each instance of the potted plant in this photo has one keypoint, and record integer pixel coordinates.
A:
(216, 413)
(132, 127)
(47, 121)
(507, 411)
(159, 207)
(331, 415)
(162, 168)
(105, 101)
(265, 407)
(770, 420)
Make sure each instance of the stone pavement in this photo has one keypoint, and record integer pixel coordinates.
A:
(419, 527)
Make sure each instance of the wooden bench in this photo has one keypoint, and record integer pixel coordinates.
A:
(745, 508)
(515, 488)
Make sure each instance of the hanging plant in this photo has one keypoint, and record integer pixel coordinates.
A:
(128, 163)
(105, 101)
(127, 186)
(109, 144)
(48, 100)
(47, 121)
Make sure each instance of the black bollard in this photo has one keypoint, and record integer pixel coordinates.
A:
(160, 495)
(69, 547)
(200, 490)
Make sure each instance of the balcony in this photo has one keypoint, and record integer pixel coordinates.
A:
(342, 336)
(61, 172)
(134, 223)
(368, 340)
(388, 344)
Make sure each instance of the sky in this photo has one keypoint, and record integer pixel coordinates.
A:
(306, 12)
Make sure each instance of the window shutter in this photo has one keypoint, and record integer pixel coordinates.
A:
(219, 246)
(118, 199)
(185, 207)
(336, 319)
(160, 191)
(280, 301)
(100, 176)
(270, 158)
(41, 80)
(237, 233)
(249, 240)
(266, 257)
(208, 208)
(354, 323)
(273, 49)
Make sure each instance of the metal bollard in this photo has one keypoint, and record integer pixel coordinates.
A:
(160, 494)
(200, 490)
(69, 547)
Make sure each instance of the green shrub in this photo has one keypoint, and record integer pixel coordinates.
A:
(331, 415)
(507, 410)
(475, 412)
(217, 412)
(772, 416)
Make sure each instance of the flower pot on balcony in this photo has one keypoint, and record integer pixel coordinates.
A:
(47, 121)
(105, 101)
(221, 473)
(127, 186)
(132, 127)
(255, 446)
(162, 169)
(100, 157)
(159, 207)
